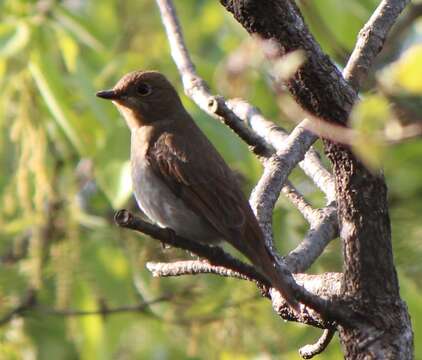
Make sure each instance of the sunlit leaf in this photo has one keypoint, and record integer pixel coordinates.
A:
(13, 38)
(84, 132)
(115, 180)
(54, 106)
(285, 68)
(407, 71)
(78, 29)
(69, 48)
(369, 118)
(3, 66)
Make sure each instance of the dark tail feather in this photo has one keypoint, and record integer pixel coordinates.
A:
(268, 266)
(252, 244)
(264, 260)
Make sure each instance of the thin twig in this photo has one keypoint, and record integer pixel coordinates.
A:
(297, 199)
(28, 301)
(29, 305)
(141, 307)
(309, 351)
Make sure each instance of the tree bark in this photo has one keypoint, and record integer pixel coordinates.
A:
(383, 329)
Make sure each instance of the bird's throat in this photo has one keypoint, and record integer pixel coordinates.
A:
(133, 119)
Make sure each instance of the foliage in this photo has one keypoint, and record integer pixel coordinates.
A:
(64, 156)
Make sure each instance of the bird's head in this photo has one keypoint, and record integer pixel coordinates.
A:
(144, 97)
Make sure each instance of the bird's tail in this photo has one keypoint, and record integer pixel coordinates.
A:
(255, 249)
(268, 265)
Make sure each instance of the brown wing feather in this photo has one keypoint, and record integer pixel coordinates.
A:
(205, 183)
(207, 186)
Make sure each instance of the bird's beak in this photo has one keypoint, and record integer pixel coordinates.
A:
(108, 94)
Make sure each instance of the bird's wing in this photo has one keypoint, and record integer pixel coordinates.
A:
(202, 180)
(208, 187)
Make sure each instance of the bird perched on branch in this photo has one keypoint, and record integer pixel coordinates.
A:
(180, 180)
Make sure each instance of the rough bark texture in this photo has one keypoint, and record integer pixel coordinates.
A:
(370, 287)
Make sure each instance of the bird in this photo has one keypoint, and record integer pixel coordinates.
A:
(180, 181)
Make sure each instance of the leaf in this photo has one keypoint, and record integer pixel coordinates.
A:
(407, 71)
(13, 38)
(369, 118)
(69, 48)
(77, 29)
(287, 66)
(84, 132)
(44, 86)
(115, 180)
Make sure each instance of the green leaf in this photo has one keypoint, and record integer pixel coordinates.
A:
(69, 48)
(115, 180)
(369, 118)
(77, 29)
(407, 71)
(13, 38)
(84, 132)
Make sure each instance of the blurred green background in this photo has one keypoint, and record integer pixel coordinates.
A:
(64, 159)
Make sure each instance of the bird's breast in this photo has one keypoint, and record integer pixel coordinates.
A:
(161, 205)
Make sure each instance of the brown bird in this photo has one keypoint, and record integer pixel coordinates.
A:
(180, 180)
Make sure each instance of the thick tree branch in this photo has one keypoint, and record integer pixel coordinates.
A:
(318, 85)
(370, 281)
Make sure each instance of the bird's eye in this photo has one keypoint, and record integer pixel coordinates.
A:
(144, 89)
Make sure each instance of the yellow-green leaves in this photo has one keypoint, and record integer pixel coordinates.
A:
(14, 36)
(369, 118)
(76, 28)
(114, 178)
(406, 73)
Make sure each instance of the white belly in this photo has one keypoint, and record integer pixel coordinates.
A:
(159, 203)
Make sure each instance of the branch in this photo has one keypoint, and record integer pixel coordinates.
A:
(297, 199)
(309, 351)
(276, 170)
(103, 310)
(196, 267)
(264, 136)
(327, 285)
(28, 301)
(214, 254)
(217, 257)
(371, 40)
(275, 136)
(322, 231)
(196, 88)
(318, 85)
